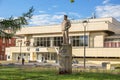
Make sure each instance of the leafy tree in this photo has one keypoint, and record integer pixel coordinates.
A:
(14, 24)
(71, 1)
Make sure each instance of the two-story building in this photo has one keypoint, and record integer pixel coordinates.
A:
(39, 43)
(5, 41)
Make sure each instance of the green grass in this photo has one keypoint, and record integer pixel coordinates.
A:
(32, 73)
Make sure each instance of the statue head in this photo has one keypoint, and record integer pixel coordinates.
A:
(65, 17)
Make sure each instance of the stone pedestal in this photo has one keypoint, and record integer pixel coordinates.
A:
(65, 59)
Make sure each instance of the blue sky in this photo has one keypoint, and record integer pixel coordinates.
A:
(52, 11)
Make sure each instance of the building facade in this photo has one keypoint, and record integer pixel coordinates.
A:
(5, 41)
(41, 43)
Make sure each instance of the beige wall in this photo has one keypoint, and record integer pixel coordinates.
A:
(103, 24)
(76, 51)
(11, 50)
(95, 29)
(96, 39)
(97, 52)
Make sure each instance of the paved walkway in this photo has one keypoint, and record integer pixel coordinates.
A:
(37, 64)
(34, 64)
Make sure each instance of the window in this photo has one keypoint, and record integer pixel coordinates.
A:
(3, 48)
(79, 40)
(118, 44)
(86, 40)
(42, 41)
(27, 43)
(3, 40)
(8, 57)
(106, 44)
(9, 41)
(58, 41)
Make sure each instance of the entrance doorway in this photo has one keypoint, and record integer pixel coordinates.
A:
(26, 56)
(39, 57)
(43, 57)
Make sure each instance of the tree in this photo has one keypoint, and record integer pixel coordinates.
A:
(71, 1)
(14, 24)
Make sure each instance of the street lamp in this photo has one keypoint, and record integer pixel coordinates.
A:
(20, 42)
(85, 22)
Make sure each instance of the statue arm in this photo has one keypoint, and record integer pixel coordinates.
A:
(68, 25)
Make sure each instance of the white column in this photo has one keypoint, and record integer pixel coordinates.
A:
(25, 39)
(31, 41)
(31, 56)
(51, 42)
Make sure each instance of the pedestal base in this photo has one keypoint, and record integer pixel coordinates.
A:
(65, 59)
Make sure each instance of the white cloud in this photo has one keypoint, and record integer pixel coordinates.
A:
(71, 15)
(108, 10)
(47, 19)
(1, 18)
(42, 11)
(49, 9)
(57, 17)
(61, 13)
(106, 1)
(54, 6)
(74, 15)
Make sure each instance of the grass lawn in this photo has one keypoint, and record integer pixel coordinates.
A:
(32, 73)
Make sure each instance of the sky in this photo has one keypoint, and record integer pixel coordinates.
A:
(51, 11)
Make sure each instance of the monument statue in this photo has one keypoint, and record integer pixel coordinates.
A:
(65, 29)
(65, 50)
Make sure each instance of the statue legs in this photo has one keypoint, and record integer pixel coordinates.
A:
(65, 37)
